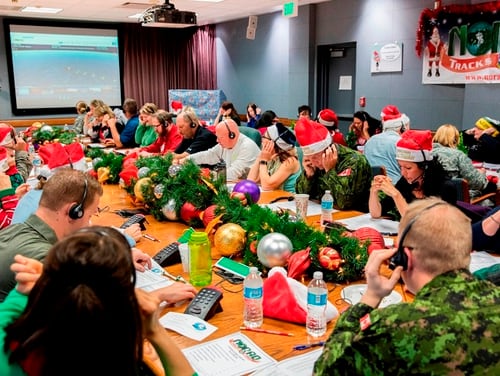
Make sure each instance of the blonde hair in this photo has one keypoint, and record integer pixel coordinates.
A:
(440, 237)
(447, 135)
(149, 108)
(81, 107)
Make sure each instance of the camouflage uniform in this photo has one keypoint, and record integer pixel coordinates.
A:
(349, 181)
(452, 327)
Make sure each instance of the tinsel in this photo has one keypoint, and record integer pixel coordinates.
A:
(439, 13)
(111, 160)
(195, 185)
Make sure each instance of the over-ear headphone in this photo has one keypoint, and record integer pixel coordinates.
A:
(400, 258)
(230, 133)
(76, 211)
(192, 124)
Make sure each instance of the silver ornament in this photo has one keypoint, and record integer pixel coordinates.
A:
(47, 128)
(158, 190)
(292, 218)
(174, 170)
(168, 210)
(143, 172)
(274, 249)
(95, 161)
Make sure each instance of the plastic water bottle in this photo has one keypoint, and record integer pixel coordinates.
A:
(253, 293)
(326, 208)
(37, 164)
(200, 259)
(317, 296)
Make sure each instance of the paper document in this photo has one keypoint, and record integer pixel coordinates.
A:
(187, 325)
(232, 355)
(481, 260)
(384, 226)
(313, 208)
(300, 365)
(152, 279)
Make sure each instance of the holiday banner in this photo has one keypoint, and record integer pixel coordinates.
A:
(460, 44)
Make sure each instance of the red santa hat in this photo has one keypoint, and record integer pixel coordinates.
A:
(392, 119)
(312, 137)
(57, 155)
(7, 134)
(328, 118)
(4, 159)
(415, 146)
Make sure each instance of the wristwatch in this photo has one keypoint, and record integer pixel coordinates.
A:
(264, 163)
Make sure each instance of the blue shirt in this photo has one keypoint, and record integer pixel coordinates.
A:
(380, 150)
(127, 135)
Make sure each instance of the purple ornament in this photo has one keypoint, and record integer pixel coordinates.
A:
(248, 187)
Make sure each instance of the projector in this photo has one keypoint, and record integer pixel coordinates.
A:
(167, 16)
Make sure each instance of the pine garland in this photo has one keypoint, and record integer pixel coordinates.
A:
(44, 135)
(111, 160)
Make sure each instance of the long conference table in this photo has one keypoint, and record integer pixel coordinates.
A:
(231, 318)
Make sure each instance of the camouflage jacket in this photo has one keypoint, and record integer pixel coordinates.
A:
(452, 327)
(349, 181)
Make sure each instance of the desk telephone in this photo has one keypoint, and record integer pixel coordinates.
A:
(205, 304)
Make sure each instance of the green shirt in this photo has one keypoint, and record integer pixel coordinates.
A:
(145, 135)
(452, 327)
(33, 238)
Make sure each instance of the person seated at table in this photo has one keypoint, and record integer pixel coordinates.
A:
(195, 137)
(145, 134)
(330, 120)
(422, 176)
(456, 163)
(168, 135)
(267, 119)
(91, 126)
(329, 166)
(126, 137)
(81, 315)
(304, 110)
(11, 141)
(238, 151)
(277, 166)
(451, 327)
(483, 141)
(227, 111)
(253, 115)
(81, 108)
(363, 126)
(380, 149)
(486, 237)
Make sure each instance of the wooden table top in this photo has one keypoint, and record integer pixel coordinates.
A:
(231, 318)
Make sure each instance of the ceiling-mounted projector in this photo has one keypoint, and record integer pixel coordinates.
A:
(167, 16)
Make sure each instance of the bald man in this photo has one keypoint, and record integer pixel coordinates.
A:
(237, 150)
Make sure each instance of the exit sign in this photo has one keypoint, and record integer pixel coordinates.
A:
(290, 9)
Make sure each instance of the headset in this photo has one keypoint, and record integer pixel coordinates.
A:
(192, 124)
(400, 258)
(230, 133)
(76, 211)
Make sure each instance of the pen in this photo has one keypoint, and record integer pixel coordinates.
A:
(308, 346)
(258, 330)
(150, 237)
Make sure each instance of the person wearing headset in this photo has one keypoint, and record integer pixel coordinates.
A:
(195, 137)
(238, 151)
(422, 176)
(451, 327)
(380, 149)
(168, 135)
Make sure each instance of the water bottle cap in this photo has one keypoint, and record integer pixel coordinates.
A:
(327, 191)
(198, 236)
(318, 275)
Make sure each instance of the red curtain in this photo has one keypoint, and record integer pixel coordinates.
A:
(156, 60)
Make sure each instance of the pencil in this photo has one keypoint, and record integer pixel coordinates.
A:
(258, 330)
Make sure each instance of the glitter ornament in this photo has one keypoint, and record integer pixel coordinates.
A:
(158, 191)
(143, 172)
(173, 170)
(229, 239)
(168, 210)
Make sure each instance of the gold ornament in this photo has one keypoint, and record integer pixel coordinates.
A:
(229, 239)
(103, 174)
(138, 188)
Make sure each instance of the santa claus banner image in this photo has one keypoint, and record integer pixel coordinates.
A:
(460, 44)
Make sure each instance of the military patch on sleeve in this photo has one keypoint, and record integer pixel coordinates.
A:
(365, 322)
(346, 172)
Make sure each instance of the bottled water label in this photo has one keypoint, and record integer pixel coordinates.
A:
(327, 205)
(316, 299)
(252, 293)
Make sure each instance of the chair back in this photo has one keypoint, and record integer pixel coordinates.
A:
(252, 133)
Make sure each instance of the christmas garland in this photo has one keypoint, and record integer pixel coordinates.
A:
(184, 192)
(47, 133)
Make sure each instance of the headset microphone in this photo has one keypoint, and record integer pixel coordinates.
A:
(415, 183)
(230, 133)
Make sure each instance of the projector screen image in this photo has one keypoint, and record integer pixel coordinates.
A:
(53, 67)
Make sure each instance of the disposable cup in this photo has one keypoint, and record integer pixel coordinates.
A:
(184, 251)
(301, 202)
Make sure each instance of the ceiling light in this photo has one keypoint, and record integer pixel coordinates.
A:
(41, 10)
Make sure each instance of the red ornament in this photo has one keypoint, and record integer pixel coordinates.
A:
(189, 212)
(298, 263)
(365, 234)
(207, 215)
(329, 258)
(240, 196)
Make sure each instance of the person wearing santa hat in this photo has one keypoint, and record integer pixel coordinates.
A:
(8, 197)
(422, 176)
(380, 149)
(11, 141)
(330, 120)
(329, 166)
